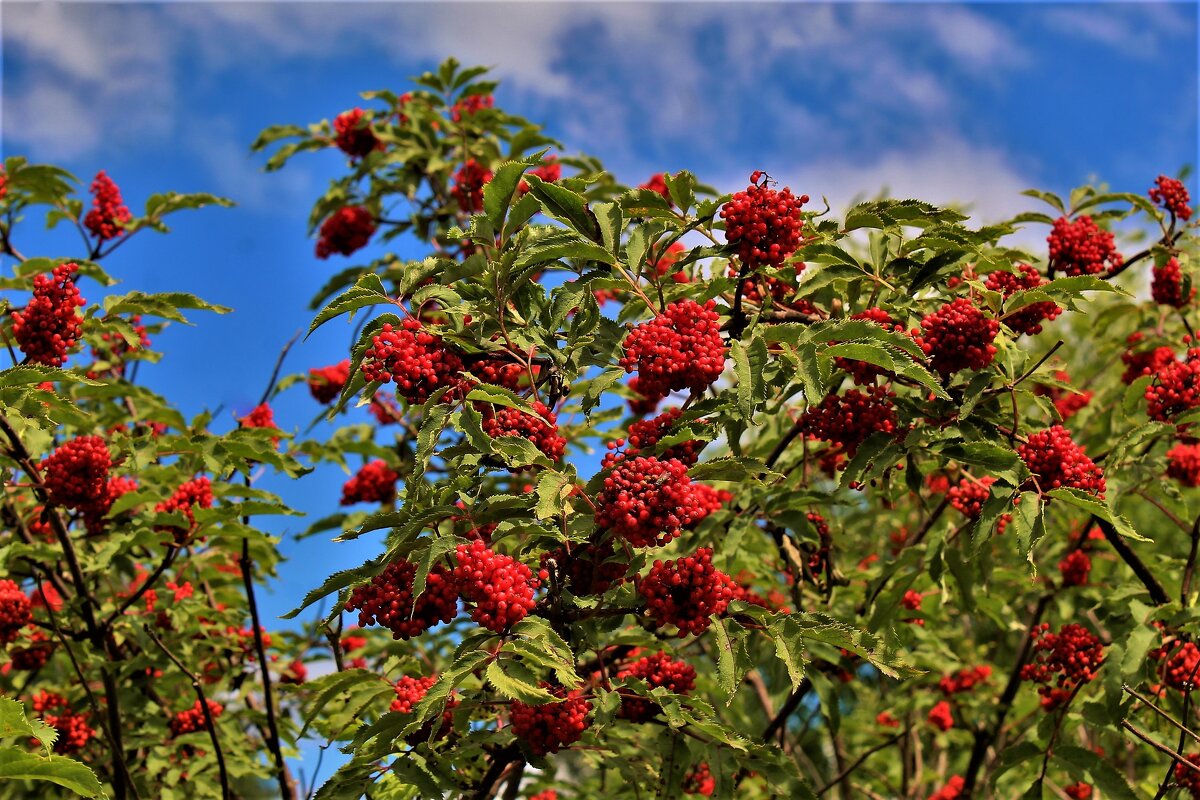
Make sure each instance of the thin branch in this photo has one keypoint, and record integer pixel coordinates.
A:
(846, 772)
(786, 710)
(1162, 748)
(1157, 593)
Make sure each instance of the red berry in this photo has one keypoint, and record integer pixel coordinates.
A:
(470, 105)
(388, 600)
(644, 435)
(1062, 661)
(1030, 318)
(658, 183)
(763, 224)
(552, 726)
(700, 781)
(468, 186)
(849, 419)
(951, 791)
(1078, 791)
(326, 383)
(1145, 362)
(374, 483)
(409, 692)
(687, 592)
(76, 474)
(1176, 388)
(500, 587)
(1056, 461)
(965, 679)
(958, 336)
(1188, 778)
(95, 515)
(109, 213)
(1166, 285)
(354, 135)
(1181, 666)
(192, 719)
(73, 730)
(1075, 568)
(50, 325)
(196, 492)
(1082, 248)
(261, 416)
(417, 360)
(550, 171)
(542, 430)
(1183, 464)
(1171, 195)
(648, 501)
(346, 230)
(940, 716)
(15, 610)
(681, 348)
(656, 670)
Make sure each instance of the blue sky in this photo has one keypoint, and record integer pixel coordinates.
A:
(947, 102)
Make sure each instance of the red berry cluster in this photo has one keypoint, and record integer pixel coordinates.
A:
(500, 587)
(681, 348)
(551, 726)
(116, 349)
(644, 435)
(409, 692)
(667, 259)
(353, 134)
(470, 105)
(1062, 661)
(36, 655)
(1082, 248)
(76, 474)
(261, 416)
(849, 419)
(940, 716)
(326, 383)
(95, 514)
(548, 794)
(1030, 318)
(501, 373)
(1183, 464)
(196, 492)
(3, 183)
(1078, 791)
(763, 224)
(656, 670)
(1166, 285)
(588, 568)
(860, 371)
(964, 680)
(649, 501)
(417, 360)
(192, 719)
(657, 183)
(1056, 461)
(958, 336)
(108, 213)
(73, 730)
(388, 600)
(1068, 402)
(1074, 568)
(375, 482)
(346, 230)
(700, 781)
(969, 495)
(951, 791)
(1181, 669)
(15, 611)
(1144, 362)
(1171, 195)
(686, 592)
(550, 171)
(542, 430)
(1187, 778)
(50, 325)
(1176, 388)
(468, 186)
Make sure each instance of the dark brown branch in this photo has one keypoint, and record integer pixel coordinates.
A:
(1157, 593)
(786, 710)
(846, 772)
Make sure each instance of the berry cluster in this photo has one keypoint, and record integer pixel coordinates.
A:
(849, 419)
(1176, 388)
(656, 670)
(470, 105)
(649, 501)
(1074, 568)
(196, 492)
(969, 495)
(76, 474)
(958, 336)
(763, 224)
(686, 592)
(551, 726)
(1166, 285)
(1171, 195)
(388, 600)
(1078, 791)
(326, 383)
(50, 325)
(1082, 248)
(700, 781)
(108, 214)
(1188, 778)
(375, 482)
(116, 349)
(501, 373)
(36, 655)
(1181, 669)
(1068, 402)
(1062, 662)
(409, 692)
(1056, 461)
(468, 186)
(1028, 319)
(15, 611)
(261, 416)
(346, 230)
(681, 348)
(1143, 362)
(353, 134)
(500, 587)
(192, 719)
(95, 515)
(860, 371)
(542, 430)
(951, 791)
(417, 360)
(964, 680)
(940, 716)
(657, 183)
(1183, 464)
(665, 260)
(73, 730)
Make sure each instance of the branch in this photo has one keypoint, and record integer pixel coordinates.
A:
(1157, 593)
(846, 772)
(786, 710)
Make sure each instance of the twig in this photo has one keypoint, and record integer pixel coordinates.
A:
(1157, 593)
(789, 706)
(846, 772)
(1162, 748)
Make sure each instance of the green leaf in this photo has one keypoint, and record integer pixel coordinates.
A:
(17, 765)
(367, 291)
(566, 206)
(1102, 775)
(1047, 197)
(1092, 505)
(26, 374)
(14, 723)
(516, 683)
(744, 382)
(166, 305)
(498, 192)
(1027, 523)
(553, 488)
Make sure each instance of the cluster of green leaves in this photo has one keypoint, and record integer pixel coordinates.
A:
(789, 689)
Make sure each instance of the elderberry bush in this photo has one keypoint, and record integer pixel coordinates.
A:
(891, 502)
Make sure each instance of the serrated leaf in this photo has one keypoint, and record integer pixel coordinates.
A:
(523, 687)
(15, 764)
(565, 206)
(367, 291)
